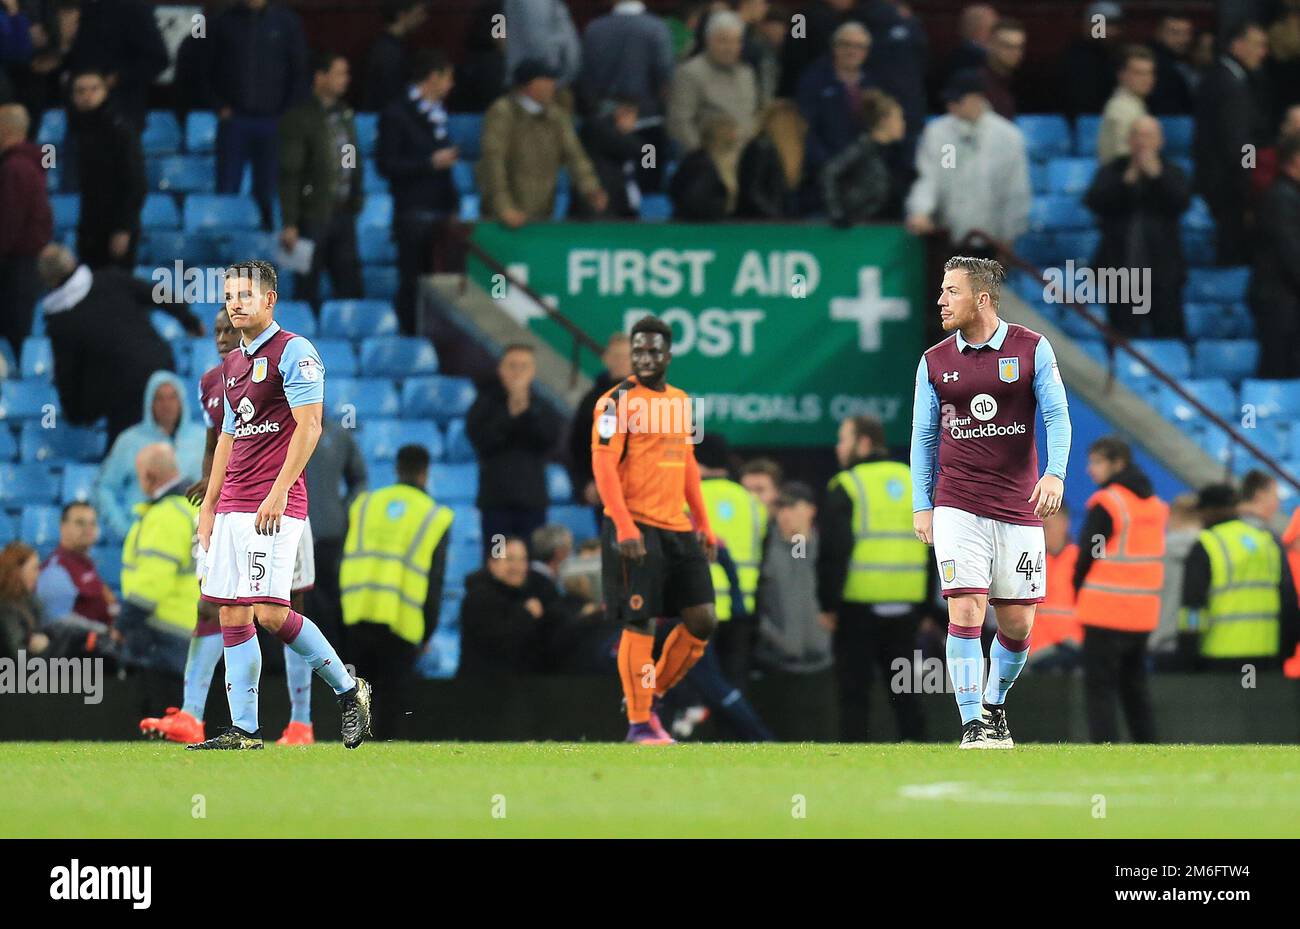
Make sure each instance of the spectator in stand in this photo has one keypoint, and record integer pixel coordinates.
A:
(1057, 634)
(1176, 77)
(1137, 75)
(757, 51)
(416, 154)
(502, 623)
(1284, 52)
(97, 372)
(617, 359)
(762, 477)
(543, 31)
(26, 224)
(110, 175)
(512, 433)
(121, 40)
(70, 583)
(259, 71)
(857, 184)
(972, 171)
(1089, 61)
(526, 139)
(1261, 179)
(320, 182)
(38, 84)
(610, 139)
(21, 615)
(337, 462)
(899, 56)
(15, 45)
(976, 30)
(552, 544)
(771, 174)
(821, 19)
(1138, 199)
(1006, 52)
(1181, 534)
(165, 419)
(481, 74)
(1228, 117)
(191, 81)
(1275, 277)
(714, 82)
(578, 636)
(386, 63)
(830, 95)
(706, 186)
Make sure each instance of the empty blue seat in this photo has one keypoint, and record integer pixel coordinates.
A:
(1197, 215)
(37, 359)
(220, 211)
(558, 486)
(1216, 443)
(199, 353)
(1070, 175)
(21, 400)
(1058, 211)
(376, 211)
(1178, 135)
(162, 134)
(1076, 325)
(379, 282)
(78, 481)
(362, 397)
(40, 526)
(1215, 393)
(1038, 180)
(1216, 285)
(1087, 126)
(8, 363)
(452, 483)
(358, 319)
(1080, 245)
(375, 245)
(1270, 436)
(367, 126)
(1167, 355)
(8, 527)
(159, 212)
(166, 326)
(462, 559)
(1204, 320)
(372, 182)
(398, 356)
(200, 132)
(296, 316)
(54, 126)
(182, 173)
(338, 357)
(62, 443)
(1271, 399)
(465, 130)
(469, 208)
(1198, 246)
(449, 612)
(381, 473)
(457, 442)
(66, 209)
(656, 208)
(27, 483)
(579, 520)
(1047, 135)
(462, 176)
(108, 562)
(437, 397)
(381, 438)
(1234, 359)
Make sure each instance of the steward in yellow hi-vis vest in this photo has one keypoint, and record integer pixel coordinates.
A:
(739, 521)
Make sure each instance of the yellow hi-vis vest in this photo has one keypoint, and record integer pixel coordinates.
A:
(889, 563)
(384, 576)
(1241, 618)
(739, 521)
(158, 563)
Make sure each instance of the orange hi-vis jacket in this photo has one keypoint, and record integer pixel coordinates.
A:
(1122, 589)
(1054, 620)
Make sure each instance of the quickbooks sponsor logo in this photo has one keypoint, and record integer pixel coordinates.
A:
(987, 430)
(243, 432)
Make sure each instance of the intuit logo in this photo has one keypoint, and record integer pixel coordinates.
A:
(103, 882)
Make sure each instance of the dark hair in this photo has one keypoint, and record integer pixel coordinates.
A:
(425, 62)
(1254, 482)
(1135, 51)
(875, 106)
(1009, 24)
(985, 274)
(262, 272)
(412, 461)
(323, 60)
(1112, 448)
(1288, 147)
(651, 325)
(871, 428)
(83, 71)
(1239, 30)
(63, 517)
(763, 466)
(394, 8)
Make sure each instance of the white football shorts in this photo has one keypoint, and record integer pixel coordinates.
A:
(304, 568)
(978, 555)
(241, 568)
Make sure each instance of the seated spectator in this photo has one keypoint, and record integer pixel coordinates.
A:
(1138, 200)
(706, 187)
(1088, 74)
(1137, 75)
(1275, 276)
(857, 184)
(714, 82)
(26, 224)
(502, 618)
(481, 74)
(972, 171)
(612, 143)
(70, 585)
(578, 635)
(830, 95)
(97, 372)
(791, 637)
(166, 418)
(386, 65)
(617, 359)
(551, 547)
(21, 614)
(762, 478)
(526, 140)
(771, 174)
(1176, 76)
(1006, 52)
(109, 173)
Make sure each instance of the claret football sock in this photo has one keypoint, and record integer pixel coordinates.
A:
(966, 669)
(1006, 658)
(200, 665)
(243, 671)
(304, 637)
(680, 652)
(635, 661)
(298, 673)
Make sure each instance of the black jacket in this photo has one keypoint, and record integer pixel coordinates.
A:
(407, 142)
(613, 154)
(385, 72)
(856, 184)
(1228, 116)
(696, 190)
(1097, 522)
(121, 37)
(511, 450)
(580, 472)
(497, 633)
(1172, 94)
(761, 176)
(110, 172)
(1275, 278)
(259, 60)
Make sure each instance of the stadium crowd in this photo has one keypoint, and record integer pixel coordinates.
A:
(719, 113)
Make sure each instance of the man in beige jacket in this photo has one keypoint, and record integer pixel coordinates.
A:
(714, 81)
(1137, 78)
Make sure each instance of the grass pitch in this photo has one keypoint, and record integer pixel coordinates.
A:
(80, 789)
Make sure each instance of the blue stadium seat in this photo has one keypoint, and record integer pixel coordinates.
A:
(8, 527)
(1087, 126)
(579, 520)
(381, 473)
(54, 126)
(62, 443)
(338, 357)
(296, 316)
(182, 173)
(66, 209)
(458, 444)
(8, 363)
(358, 319)
(220, 212)
(656, 208)
(1270, 436)
(8, 444)
(462, 176)
(558, 486)
(166, 326)
(1178, 135)
(108, 562)
(1216, 285)
(37, 358)
(367, 397)
(78, 481)
(381, 438)
(162, 134)
(200, 132)
(449, 612)
(462, 559)
(1234, 359)
(1167, 355)
(470, 206)
(437, 397)
(1215, 442)
(160, 212)
(375, 245)
(21, 400)
(452, 484)
(1047, 135)
(379, 282)
(1038, 179)
(376, 211)
(1057, 211)
(372, 182)
(1215, 393)
(27, 483)
(1203, 320)
(367, 126)
(1272, 398)
(165, 246)
(398, 356)
(465, 130)
(40, 527)
(1080, 245)
(1197, 215)
(1076, 327)
(199, 352)
(1198, 246)
(1070, 175)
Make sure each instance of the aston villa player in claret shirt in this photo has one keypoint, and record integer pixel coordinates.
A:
(255, 507)
(976, 491)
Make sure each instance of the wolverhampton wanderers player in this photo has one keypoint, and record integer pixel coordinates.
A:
(653, 562)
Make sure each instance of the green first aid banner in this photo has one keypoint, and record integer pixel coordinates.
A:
(779, 330)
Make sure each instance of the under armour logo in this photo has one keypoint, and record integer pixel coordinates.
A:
(1033, 588)
(230, 382)
(327, 661)
(227, 688)
(951, 376)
